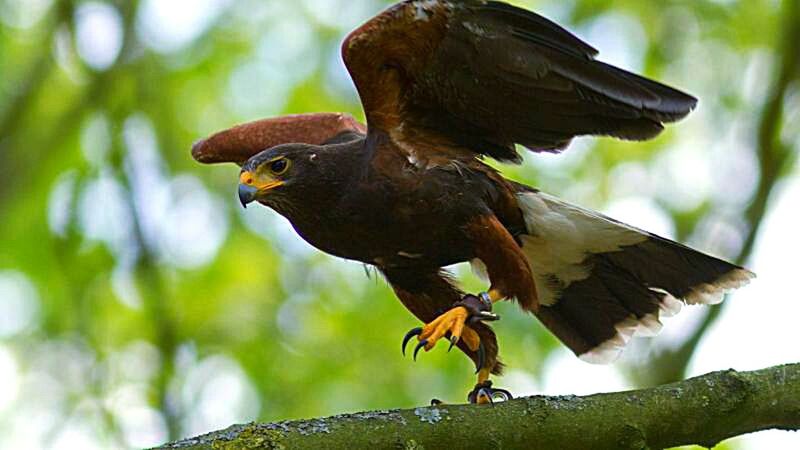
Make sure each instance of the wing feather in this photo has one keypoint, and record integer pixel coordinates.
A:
(486, 75)
(241, 142)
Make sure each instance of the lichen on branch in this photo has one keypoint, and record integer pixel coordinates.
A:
(703, 410)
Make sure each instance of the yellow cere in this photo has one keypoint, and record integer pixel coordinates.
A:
(262, 181)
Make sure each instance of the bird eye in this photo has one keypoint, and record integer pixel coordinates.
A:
(279, 166)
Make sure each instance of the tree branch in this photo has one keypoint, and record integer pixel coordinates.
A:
(703, 410)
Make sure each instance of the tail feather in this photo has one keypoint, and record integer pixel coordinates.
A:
(602, 282)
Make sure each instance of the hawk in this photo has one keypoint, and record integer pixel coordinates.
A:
(444, 85)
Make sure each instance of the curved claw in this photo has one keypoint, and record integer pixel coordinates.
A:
(481, 357)
(483, 316)
(413, 332)
(484, 393)
(419, 346)
(504, 394)
(491, 395)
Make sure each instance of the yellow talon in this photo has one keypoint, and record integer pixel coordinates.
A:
(452, 321)
(453, 325)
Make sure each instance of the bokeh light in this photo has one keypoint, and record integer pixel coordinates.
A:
(139, 303)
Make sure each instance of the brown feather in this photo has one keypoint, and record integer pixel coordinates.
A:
(505, 263)
(481, 76)
(442, 83)
(240, 143)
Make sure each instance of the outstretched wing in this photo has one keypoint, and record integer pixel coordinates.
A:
(239, 143)
(485, 75)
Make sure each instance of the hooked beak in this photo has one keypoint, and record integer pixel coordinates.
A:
(250, 190)
(247, 194)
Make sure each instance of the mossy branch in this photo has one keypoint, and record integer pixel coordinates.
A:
(703, 410)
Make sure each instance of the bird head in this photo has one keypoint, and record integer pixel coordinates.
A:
(279, 175)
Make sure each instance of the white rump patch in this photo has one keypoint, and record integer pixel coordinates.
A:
(562, 235)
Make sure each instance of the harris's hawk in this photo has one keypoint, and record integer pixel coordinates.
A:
(445, 83)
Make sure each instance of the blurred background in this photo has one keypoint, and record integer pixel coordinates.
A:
(139, 303)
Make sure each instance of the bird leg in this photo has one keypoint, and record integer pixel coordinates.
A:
(454, 324)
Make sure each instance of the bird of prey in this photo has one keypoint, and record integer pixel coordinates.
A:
(444, 85)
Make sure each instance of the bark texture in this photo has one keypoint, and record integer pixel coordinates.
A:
(703, 410)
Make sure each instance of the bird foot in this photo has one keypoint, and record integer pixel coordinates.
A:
(485, 393)
(453, 325)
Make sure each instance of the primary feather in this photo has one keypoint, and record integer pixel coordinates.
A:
(487, 75)
(602, 282)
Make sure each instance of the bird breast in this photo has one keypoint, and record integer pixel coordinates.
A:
(415, 218)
